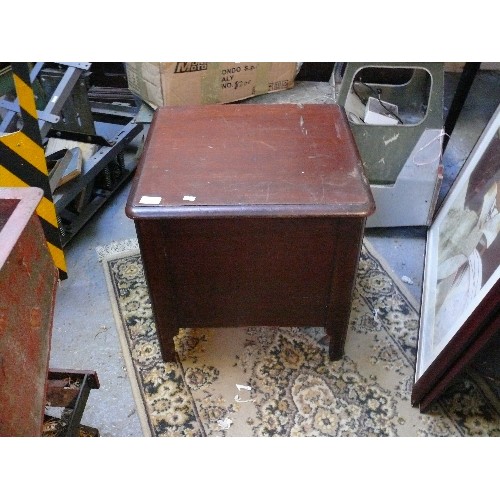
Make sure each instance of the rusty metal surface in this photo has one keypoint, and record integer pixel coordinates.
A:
(64, 386)
(28, 280)
(61, 392)
(70, 389)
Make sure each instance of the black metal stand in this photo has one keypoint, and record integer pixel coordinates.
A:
(464, 85)
(70, 389)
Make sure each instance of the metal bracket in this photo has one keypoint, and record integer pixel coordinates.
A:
(56, 101)
(79, 137)
(79, 65)
(70, 389)
(42, 115)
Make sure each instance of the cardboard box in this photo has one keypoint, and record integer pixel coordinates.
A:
(179, 83)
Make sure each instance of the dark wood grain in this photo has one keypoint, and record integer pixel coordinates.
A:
(257, 159)
(343, 271)
(477, 330)
(479, 343)
(274, 233)
(157, 272)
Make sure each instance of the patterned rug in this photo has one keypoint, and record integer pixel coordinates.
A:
(270, 381)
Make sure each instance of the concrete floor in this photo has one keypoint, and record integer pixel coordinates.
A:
(84, 333)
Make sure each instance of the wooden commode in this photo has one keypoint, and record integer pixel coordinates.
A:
(250, 215)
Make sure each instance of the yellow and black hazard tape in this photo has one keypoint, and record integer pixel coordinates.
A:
(22, 163)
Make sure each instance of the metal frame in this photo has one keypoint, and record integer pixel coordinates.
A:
(442, 350)
(408, 194)
(49, 115)
(71, 219)
(24, 163)
(412, 199)
(60, 393)
(78, 200)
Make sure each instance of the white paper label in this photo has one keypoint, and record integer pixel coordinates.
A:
(150, 200)
(189, 198)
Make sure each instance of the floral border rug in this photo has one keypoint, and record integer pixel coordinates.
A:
(271, 381)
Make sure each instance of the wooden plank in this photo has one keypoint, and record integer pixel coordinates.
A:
(60, 393)
(74, 167)
(54, 145)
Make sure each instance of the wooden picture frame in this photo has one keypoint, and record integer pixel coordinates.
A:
(462, 271)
